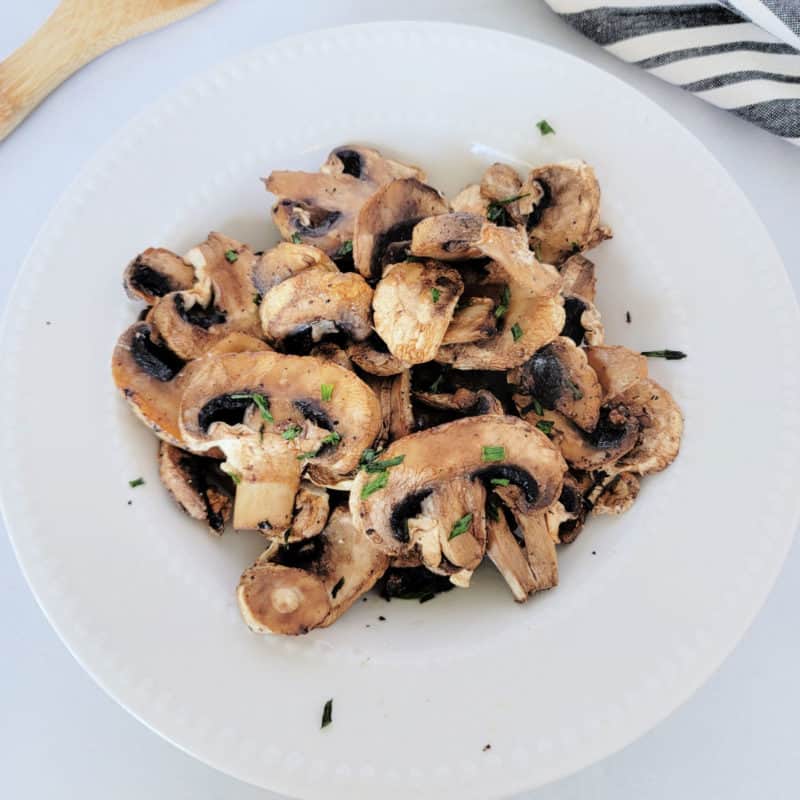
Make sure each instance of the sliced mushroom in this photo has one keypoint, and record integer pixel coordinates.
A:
(532, 317)
(470, 201)
(413, 306)
(501, 186)
(582, 322)
(661, 428)
(312, 583)
(578, 278)
(618, 495)
(314, 304)
(566, 219)
(617, 368)
(447, 237)
(386, 221)
(310, 412)
(329, 351)
(284, 261)
(464, 401)
(224, 299)
(399, 509)
(156, 272)
(558, 376)
(540, 548)
(566, 517)
(473, 321)
(374, 357)
(505, 552)
(198, 486)
(321, 208)
(311, 508)
(401, 419)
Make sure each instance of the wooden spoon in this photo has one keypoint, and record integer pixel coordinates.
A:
(76, 33)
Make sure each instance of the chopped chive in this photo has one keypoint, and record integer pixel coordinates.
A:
(231, 256)
(496, 210)
(461, 526)
(537, 407)
(337, 586)
(260, 401)
(516, 331)
(437, 384)
(493, 511)
(537, 251)
(345, 249)
(233, 475)
(435, 294)
(326, 391)
(296, 238)
(545, 425)
(367, 457)
(545, 127)
(499, 481)
(306, 456)
(493, 453)
(136, 482)
(505, 300)
(327, 714)
(670, 355)
(628, 317)
(332, 438)
(577, 394)
(375, 485)
(379, 466)
(257, 298)
(292, 432)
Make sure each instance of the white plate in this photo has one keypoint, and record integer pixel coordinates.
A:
(649, 604)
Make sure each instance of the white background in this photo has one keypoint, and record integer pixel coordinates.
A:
(61, 737)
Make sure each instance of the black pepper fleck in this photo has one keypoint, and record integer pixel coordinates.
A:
(487, 747)
(382, 618)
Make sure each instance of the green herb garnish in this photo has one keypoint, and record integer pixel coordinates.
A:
(136, 482)
(296, 238)
(332, 438)
(326, 391)
(537, 407)
(505, 299)
(435, 294)
(306, 456)
(493, 511)
(231, 256)
(493, 453)
(499, 481)
(327, 714)
(577, 394)
(375, 485)
(379, 466)
(437, 383)
(292, 432)
(497, 208)
(336, 587)
(345, 249)
(537, 251)
(516, 331)
(260, 401)
(233, 475)
(461, 526)
(367, 457)
(545, 426)
(670, 355)
(545, 127)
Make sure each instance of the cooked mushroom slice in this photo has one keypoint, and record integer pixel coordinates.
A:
(464, 401)
(566, 219)
(314, 304)
(470, 201)
(285, 260)
(582, 322)
(540, 548)
(394, 395)
(578, 279)
(510, 200)
(413, 306)
(338, 418)
(374, 357)
(532, 314)
(197, 484)
(329, 351)
(403, 508)
(386, 221)
(156, 272)
(505, 552)
(618, 494)
(661, 428)
(559, 377)
(615, 434)
(222, 301)
(616, 367)
(473, 321)
(311, 508)
(447, 237)
(310, 584)
(321, 208)
(566, 517)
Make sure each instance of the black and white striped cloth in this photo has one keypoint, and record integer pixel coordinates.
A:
(740, 55)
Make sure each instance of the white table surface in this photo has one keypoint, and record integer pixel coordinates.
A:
(62, 737)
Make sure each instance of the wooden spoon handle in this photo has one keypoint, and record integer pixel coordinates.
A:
(76, 32)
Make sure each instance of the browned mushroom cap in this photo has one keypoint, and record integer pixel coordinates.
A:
(617, 495)
(223, 300)
(321, 208)
(311, 508)
(156, 272)
(316, 303)
(197, 484)
(374, 357)
(559, 377)
(532, 317)
(285, 260)
(447, 237)
(473, 321)
(616, 367)
(339, 417)
(385, 223)
(661, 428)
(566, 219)
(312, 583)
(615, 434)
(152, 378)
(413, 306)
(476, 450)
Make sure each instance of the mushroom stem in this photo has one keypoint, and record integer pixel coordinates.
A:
(266, 505)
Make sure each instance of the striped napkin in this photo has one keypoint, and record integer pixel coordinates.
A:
(740, 55)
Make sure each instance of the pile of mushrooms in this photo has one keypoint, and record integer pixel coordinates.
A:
(404, 386)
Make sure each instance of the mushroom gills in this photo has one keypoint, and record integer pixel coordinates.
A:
(156, 272)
